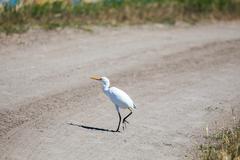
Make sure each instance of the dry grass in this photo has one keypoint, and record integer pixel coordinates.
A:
(113, 12)
(224, 145)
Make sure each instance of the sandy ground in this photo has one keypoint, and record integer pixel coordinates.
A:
(181, 78)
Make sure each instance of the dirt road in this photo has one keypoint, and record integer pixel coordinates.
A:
(181, 78)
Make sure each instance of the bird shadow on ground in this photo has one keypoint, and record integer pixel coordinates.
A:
(91, 128)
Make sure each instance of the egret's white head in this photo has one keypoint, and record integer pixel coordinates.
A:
(104, 80)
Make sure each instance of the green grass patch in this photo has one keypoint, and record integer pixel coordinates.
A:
(112, 12)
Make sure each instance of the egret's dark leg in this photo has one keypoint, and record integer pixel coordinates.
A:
(124, 119)
(120, 118)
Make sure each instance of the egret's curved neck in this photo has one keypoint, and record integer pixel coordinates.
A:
(106, 86)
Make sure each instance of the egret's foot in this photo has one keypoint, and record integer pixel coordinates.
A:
(125, 121)
(117, 130)
(124, 124)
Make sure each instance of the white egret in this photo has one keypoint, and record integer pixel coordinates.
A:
(118, 97)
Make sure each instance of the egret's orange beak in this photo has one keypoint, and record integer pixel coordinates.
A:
(96, 78)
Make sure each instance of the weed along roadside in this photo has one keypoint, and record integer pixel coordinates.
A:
(223, 145)
(19, 16)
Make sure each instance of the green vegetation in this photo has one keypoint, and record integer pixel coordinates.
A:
(113, 12)
(224, 145)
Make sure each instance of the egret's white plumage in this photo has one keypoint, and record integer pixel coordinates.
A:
(120, 98)
(117, 96)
